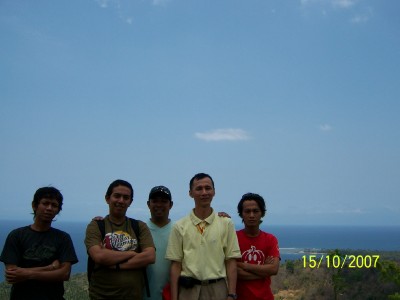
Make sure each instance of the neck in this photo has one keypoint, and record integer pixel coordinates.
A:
(252, 231)
(116, 219)
(40, 226)
(160, 222)
(203, 212)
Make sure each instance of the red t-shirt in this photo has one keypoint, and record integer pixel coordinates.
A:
(254, 251)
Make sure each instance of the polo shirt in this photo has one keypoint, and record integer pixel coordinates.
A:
(203, 255)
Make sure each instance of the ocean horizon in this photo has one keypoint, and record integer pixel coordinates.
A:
(294, 240)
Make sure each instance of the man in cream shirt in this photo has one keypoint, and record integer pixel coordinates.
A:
(203, 249)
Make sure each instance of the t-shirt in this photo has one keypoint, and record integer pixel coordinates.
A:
(158, 273)
(255, 250)
(27, 248)
(106, 283)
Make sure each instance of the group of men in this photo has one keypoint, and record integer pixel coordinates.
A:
(200, 257)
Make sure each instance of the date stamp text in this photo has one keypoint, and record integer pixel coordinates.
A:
(340, 262)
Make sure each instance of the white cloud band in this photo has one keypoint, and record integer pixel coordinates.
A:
(229, 134)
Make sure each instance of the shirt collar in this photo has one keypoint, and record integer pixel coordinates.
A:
(195, 220)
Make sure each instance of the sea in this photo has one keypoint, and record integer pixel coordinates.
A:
(294, 241)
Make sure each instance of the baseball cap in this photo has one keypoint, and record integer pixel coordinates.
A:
(160, 189)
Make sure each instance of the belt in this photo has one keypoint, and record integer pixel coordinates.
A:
(206, 282)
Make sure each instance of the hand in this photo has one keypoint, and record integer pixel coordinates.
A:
(269, 260)
(16, 275)
(55, 264)
(223, 214)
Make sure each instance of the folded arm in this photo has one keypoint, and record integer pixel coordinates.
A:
(142, 259)
(248, 271)
(107, 257)
(53, 272)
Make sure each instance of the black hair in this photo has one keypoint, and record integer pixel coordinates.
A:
(116, 183)
(47, 192)
(251, 196)
(200, 176)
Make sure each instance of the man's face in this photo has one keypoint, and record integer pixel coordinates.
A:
(251, 213)
(46, 210)
(159, 206)
(119, 200)
(202, 191)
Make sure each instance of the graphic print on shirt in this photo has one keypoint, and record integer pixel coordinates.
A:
(253, 256)
(119, 241)
(40, 252)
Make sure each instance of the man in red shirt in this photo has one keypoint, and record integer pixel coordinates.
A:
(259, 249)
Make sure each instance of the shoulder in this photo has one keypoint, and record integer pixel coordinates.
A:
(181, 226)
(18, 232)
(142, 225)
(240, 232)
(226, 222)
(92, 224)
(224, 219)
(182, 221)
(150, 224)
(136, 222)
(93, 227)
(268, 236)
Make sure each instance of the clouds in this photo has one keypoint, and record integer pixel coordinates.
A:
(343, 3)
(236, 134)
(335, 3)
(229, 134)
(103, 3)
(360, 12)
(325, 127)
(125, 10)
(159, 2)
(363, 16)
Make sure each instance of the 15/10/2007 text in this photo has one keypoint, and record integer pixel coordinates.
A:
(340, 262)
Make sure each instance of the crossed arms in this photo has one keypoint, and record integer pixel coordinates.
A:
(56, 271)
(125, 259)
(248, 271)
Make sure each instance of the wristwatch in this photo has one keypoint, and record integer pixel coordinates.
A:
(233, 296)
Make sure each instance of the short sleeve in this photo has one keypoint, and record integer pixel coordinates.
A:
(274, 249)
(93, 235)
(68, 253)
(11, 252)
(232, 249)
(175, 245)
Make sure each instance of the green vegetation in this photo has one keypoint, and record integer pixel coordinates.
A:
(77, 287)
(296, 282)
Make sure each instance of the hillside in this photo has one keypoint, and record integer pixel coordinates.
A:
(296, 282)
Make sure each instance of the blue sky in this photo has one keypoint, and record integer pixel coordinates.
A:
(295, 100)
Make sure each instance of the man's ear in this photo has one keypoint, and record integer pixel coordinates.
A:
(190, 194)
